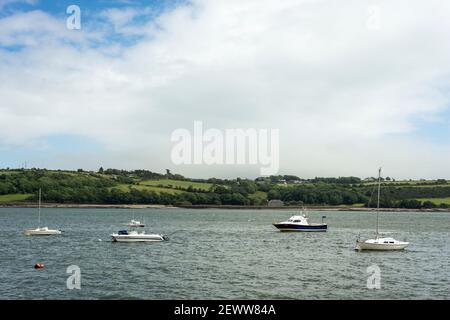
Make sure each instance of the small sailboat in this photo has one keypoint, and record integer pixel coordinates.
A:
(301, 223)
(41, 231)
(380, 243)
(135, 223)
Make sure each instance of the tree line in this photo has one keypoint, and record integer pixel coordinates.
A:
(103, 187)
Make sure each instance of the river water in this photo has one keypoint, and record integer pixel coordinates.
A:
(221, 254)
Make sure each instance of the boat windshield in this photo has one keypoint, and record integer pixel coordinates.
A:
(297, 219)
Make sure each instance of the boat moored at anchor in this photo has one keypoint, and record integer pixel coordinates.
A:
(379, 243)
(135, 223)
(135, 236)
(382, 244)
(301, 223)
(41, 231)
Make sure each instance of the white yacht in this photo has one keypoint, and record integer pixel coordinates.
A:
(44, 231)
(380, 243)
(134, 236)
(41, 231)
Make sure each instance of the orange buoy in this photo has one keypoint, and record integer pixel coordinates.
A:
(39, 266)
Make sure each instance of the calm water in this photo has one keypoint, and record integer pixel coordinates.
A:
(221, 254)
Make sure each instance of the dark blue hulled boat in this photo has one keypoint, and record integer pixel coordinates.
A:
(301, 223)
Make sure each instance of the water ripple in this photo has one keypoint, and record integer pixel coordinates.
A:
(220, 254)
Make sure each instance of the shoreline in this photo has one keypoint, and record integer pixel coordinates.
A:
(87, 206)
(158, 206)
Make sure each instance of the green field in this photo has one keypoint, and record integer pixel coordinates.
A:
(121, 187)
(14, 197)
(9, 172)
(436, 200)
(126, 188)
(355, 205)
(408, 183)
(158, 189)
(177, 183)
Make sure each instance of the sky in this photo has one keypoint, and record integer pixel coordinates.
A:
(350, 85)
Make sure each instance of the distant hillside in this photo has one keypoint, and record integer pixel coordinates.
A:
(114, 186)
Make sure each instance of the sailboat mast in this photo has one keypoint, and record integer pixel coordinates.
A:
(378, 201)
(39, 219)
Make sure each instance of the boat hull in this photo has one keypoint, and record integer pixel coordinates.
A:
(380, 246)
(286, 227)
(146, 238)
(42, 233)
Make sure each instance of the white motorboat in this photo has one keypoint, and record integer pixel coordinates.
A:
(134, 236)
(301, 223)
(380, 243)
(41, 231)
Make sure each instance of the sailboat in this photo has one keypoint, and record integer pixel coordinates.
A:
(380, 243)
(135, 223)
(44, 231)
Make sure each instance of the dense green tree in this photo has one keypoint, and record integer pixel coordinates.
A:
(88, 187)
(428, 205)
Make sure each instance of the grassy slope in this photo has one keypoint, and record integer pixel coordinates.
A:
(355, 205)
(406, 184)
(14, 197)
(155, 185)
(436, 200)
(126, 188)
(158, 189)
(177, 183)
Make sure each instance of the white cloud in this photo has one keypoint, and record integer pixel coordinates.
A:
(344, 97)
(40, 29)
(124, 20)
